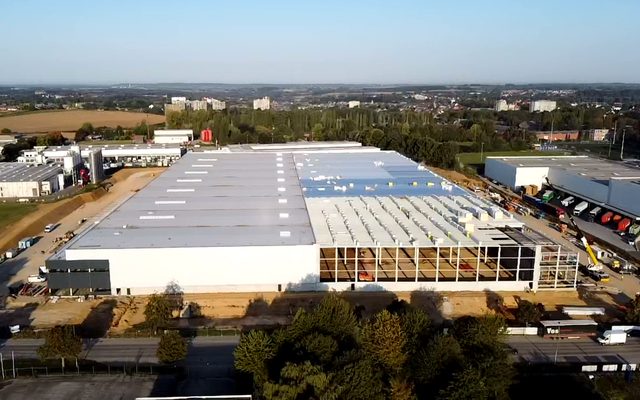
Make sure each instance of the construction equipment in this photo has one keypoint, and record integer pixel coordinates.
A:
(595, 264)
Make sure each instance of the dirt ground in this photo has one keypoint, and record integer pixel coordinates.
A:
(71, 120)
(236, 310)
(241, 310)
(458, 178)
(33, 223)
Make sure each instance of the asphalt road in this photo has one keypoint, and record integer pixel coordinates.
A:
(535, 349)
(208, 351)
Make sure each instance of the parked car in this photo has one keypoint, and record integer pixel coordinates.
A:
(50, 228)
(36, 279)
(606, 217)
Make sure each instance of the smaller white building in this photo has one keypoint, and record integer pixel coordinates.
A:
(354, 104)
(542, 105)
(178, 99)
(173, 136)
(262, 104)
(18, 180)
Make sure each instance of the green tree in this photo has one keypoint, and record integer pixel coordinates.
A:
(632, 314)
(252, 353)
(85, 130)
(157, 311)
(466, 385)
(60, 342)
(384, 338)
(172, 348)
(6, 130)
(527, 313)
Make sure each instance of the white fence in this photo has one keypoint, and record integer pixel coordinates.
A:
(532, 330)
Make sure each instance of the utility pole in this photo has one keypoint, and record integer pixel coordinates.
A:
(624, 131)
(481, 152)
(615, 130)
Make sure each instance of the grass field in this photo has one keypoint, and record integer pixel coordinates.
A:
(12, 212)
(474, 158)
(50, 121)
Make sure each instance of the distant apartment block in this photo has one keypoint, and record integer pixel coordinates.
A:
(354, 104)
(198, 105)
(216, 104)
(542, 105)
(179, 99)
(262, 104)
(177, 107)
(503, 105)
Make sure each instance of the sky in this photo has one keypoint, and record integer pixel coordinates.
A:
(328, 41)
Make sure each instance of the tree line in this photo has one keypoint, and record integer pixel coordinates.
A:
(332, 352)
(418, 135)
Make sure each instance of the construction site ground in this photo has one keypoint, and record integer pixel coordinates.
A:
(66, 214)
(117, 315)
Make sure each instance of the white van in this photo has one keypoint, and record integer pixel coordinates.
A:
(579, 209)
(568, 201)
(594, 213)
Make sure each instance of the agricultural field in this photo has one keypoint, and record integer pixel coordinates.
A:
(51, 121)
(474, 158)
(12, 212)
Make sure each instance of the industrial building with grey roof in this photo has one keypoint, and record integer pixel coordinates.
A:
(306, 216)
(608, 184)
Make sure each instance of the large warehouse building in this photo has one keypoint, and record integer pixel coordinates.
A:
(305, 218)
(613, 185)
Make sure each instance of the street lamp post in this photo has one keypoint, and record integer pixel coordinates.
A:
(624, 131)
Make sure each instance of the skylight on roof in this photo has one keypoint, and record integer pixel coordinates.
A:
(157, 217)
(284, 234)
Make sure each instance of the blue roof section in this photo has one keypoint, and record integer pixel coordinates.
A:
(384, 173)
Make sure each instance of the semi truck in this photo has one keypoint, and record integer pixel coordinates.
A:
(579, 209)
(609, 338)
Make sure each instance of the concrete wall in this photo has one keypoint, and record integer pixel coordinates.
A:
(500, 171)
(625, 195)
(210, 269)
(576, 184)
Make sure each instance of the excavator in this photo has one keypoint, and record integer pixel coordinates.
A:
(595, 264)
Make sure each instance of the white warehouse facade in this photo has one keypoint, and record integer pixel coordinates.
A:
(269, 219)
(614, 185)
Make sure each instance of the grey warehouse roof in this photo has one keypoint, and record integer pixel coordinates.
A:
(209, 200)
(19, 172)
(592, 168)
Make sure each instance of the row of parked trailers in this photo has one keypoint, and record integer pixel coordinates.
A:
(621, 224)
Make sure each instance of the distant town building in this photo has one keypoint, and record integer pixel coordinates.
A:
(503, 105)
(542, 105)
(262, 104)
(596, 135)
(216, 104)
(180, 99)
(174, 107)
(172, 136)
(548, 136)
(198, 105)
(354, 104)
(420, 97)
